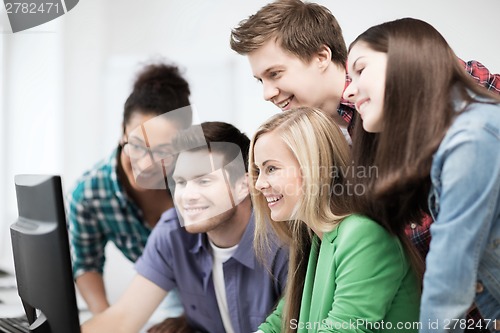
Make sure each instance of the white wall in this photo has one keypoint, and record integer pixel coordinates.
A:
(106, 40)
(63, 84)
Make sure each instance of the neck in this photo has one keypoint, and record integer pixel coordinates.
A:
(230, 232)
(318, 233)
(335, 84)
(315, 230)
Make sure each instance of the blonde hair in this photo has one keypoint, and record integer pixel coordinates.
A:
(323, 155)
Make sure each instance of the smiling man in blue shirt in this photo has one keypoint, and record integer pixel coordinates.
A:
(206, 250)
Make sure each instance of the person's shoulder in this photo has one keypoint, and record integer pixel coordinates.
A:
(169, 221)
(359, 233)
(479, 122)
(169, 227)
(360, 225)
(95, 182)
(171, 238)
(361, 229)
(477, 115)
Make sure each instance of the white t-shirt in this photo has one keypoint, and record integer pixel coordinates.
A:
(220, 256)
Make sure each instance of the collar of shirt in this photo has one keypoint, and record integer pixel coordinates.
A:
(169, 214)
(244, 254)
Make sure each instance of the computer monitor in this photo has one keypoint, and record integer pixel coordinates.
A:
(41, 256)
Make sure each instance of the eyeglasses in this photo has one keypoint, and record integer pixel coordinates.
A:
(138, 152)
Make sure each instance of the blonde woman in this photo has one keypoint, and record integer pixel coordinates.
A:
(346, 272)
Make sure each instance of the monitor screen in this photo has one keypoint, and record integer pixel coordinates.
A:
(41, 256)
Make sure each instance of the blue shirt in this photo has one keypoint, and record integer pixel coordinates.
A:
(174, 258)
(463, 264)
(100, 211)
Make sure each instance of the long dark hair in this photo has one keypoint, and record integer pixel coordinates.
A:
(424, 79)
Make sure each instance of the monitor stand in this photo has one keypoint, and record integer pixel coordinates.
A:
(38, 324)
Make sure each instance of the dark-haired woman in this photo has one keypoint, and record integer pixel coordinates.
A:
(434, 136)
(122, 197)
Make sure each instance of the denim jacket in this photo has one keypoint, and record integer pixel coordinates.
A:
(463, 264)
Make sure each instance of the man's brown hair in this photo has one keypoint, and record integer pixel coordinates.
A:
(300, 28)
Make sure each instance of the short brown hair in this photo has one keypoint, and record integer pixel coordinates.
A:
(301, 28)
(218, 137)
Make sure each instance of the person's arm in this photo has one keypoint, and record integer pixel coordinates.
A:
(91, 287)
(469, 176)
(87, 249)
(132, 310)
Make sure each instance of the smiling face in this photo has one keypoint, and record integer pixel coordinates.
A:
(367, 69)
(146, 157)
(203, 196)
(279, 179)
(289, 82)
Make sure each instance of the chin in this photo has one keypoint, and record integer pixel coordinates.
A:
(278, 218)
(367, 127)
(203, 225)
(195, 228)
(194, 224)
(151, 181)
(371, 129)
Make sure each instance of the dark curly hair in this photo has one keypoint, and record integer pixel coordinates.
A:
(159, 88)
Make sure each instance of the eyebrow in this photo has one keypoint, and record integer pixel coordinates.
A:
(264, 163)
(193, 177)
(270, 69)
(138, 140)
(163, 145)
(355, 61)
(135, 138)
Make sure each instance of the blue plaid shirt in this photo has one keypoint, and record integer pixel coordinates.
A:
(100, 211)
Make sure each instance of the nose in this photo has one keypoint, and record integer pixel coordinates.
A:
(350, 92)
(190, 192)
(142, 163)
(270, 90)
(261, 183)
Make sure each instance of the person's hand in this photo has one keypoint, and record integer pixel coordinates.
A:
(172, 325)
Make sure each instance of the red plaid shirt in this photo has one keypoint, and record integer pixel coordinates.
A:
(420, 234)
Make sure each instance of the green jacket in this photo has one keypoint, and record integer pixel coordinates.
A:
(358, 280)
